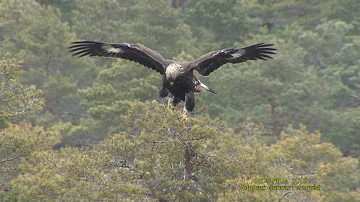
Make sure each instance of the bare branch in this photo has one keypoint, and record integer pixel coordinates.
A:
(284, 194)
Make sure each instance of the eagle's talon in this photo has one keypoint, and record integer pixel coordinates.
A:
(184, 117)
(170, 106)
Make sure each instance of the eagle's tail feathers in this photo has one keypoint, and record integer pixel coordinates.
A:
(205, 87)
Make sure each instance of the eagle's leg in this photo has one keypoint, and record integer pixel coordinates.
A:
(171, 100)
(189, 102)
(189, 105)
(163, 93)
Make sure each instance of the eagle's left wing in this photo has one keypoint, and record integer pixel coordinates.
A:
(132, 52)
(213, 60)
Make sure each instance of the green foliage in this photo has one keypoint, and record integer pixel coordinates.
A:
(156, 25)
(225, 18)
(342, 128)
(18, 142)
(187, 159)
(300, 155)
(160, 157)
(74, 174)
(37, 34)
(114, 88)
(277, 13)
(17, 101)
(332, 52)
(66, 7)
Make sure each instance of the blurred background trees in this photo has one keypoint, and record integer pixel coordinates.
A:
(94, 129)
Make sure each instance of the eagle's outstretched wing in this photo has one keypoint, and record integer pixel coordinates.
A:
(213, 60)
(132, 52)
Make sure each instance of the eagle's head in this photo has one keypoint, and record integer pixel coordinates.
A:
(173, 71)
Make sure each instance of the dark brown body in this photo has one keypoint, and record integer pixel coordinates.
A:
(181, 89)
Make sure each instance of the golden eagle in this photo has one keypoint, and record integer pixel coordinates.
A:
(178, 77)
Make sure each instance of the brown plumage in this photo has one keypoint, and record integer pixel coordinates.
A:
(178, 77)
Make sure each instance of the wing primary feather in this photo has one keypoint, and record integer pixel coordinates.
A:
(77, 49)
(266, 56)
(136, 53)
(84, 54)
(80, 52)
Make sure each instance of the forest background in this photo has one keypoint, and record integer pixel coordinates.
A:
(95, 130)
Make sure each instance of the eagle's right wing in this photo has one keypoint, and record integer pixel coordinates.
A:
(213, 60)
(132, 52)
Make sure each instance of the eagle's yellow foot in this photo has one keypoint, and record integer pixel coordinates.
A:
(170, 106)
(184, 117)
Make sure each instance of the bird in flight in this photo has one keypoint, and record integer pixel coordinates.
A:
(178, 79)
